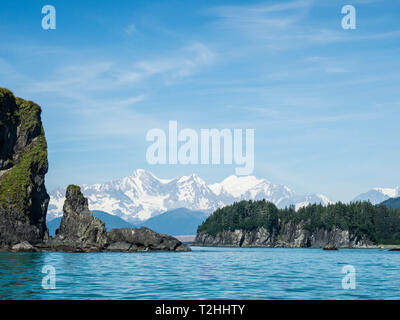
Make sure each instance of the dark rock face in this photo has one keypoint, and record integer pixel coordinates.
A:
(290, 236)
(23, 165)
(79, 229)
(122, 246)
(142, 239)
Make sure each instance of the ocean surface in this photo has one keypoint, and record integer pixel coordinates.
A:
(204, 273)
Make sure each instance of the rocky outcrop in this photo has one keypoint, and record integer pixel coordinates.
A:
(290, 235)
(23, 165)
(79, 229)
(142, 239)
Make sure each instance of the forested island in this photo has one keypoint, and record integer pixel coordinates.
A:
(262, 224)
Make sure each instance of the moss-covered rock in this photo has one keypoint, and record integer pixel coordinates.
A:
(23, 165)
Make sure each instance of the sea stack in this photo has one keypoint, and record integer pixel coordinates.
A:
(79, 229)
(23, 165)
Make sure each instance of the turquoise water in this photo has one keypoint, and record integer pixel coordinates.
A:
(205, 273)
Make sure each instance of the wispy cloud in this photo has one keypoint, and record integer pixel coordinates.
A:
(187, 61)
(276, 116)
(106, 75)
(108, 96)
(286, 25)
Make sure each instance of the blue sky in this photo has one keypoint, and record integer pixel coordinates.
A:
(324, 101)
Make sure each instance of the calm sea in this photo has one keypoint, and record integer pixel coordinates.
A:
(204, 273)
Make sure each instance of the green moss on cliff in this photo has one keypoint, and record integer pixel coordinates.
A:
(29, 114)
(4, 92)
(17, 183)
(72, 188)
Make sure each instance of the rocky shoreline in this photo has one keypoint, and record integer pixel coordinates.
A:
(80, 231)
(290, 236)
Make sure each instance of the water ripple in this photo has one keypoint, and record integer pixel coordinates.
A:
(204, 273)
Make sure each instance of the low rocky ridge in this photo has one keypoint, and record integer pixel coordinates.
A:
(290, 237)
(80, 231)
(262, 224)
(23, 165)
(142, 239)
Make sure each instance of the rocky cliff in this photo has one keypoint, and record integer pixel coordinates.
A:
(23, 165)
(290, 235)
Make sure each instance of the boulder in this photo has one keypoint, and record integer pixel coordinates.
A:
(144, 239)
(24, 246)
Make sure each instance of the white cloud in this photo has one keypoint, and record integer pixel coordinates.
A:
(186, 62)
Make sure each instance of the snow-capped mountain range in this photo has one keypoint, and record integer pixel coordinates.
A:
(141, 196)
(378, 195)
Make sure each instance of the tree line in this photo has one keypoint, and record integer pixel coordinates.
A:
(379, 224)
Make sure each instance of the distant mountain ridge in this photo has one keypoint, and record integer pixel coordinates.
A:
(143, 195)
(393, 203)
(177, 222)
(378, 195)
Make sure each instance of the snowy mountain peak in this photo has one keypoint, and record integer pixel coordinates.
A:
(238, 186)
(138, 172)
(390, 192)
(194, 178)
(145, 175)
(142, 195)
(378, 195)
(324, 198)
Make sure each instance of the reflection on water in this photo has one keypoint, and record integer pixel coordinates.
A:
(205, 273)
